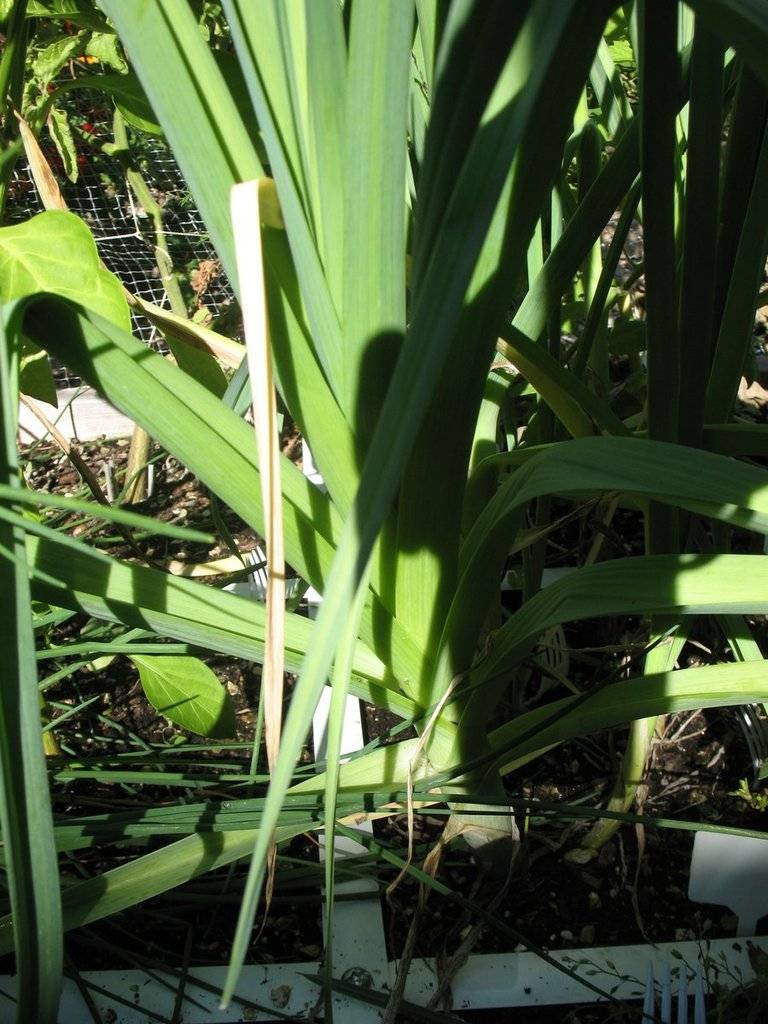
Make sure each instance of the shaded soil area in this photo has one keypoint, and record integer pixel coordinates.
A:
(634, 890)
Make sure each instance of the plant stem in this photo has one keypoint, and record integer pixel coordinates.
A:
(11, 88)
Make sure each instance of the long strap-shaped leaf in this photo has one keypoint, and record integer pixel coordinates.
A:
(735, 335)
(509, 131)
(25, 810)
(206, 436)
(742, 24)
(201, 117)
(257, 62)
(654, 584)
(377, 90)
(528, 735)
(212, 441)
(698, 277)
(573, 403)
(654, 694)
(246, 220)
(431, 490)
(659, 74)
(430, 501)
(197, 113)
(711, 484)
(68, 574)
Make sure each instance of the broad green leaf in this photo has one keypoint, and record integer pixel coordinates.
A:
(50, 60)
(55, 252)
(127, 93)
(106, 48)
(188, 693)
(81, 12)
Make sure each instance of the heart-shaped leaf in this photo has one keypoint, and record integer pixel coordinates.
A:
(55, 252)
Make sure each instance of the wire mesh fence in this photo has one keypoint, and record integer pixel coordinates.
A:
(122, 229)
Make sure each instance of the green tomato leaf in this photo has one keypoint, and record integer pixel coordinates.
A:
(128, 95)
(52, 58)
(622, 53)
(55, 252)
(106, 48)
(82, 12)
(61, 133)
(187, 692)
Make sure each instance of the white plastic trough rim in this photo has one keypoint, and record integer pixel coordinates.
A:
(82, 415)
(486, 981)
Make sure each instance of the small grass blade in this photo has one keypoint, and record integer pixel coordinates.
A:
(25, 810)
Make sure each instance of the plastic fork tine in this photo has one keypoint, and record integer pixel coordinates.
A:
(649, 1003)
(699, 1007)
(682, 997)
(666, 995)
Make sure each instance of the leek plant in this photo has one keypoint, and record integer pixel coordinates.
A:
(435, 179)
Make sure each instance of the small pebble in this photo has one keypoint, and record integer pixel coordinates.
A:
(587, 935)
(281, 996)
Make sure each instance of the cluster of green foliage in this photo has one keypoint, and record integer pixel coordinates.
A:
(444, 173)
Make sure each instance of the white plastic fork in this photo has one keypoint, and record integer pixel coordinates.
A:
(664, 1015)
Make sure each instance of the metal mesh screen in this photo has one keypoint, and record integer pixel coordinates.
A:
(122, 230)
